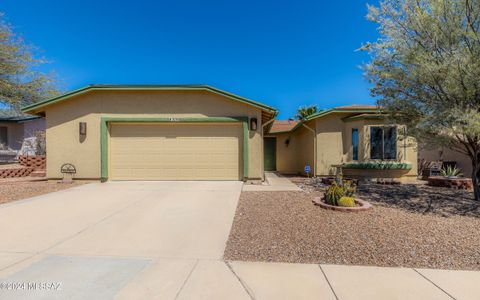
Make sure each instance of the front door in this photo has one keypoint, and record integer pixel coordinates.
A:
(270, 153)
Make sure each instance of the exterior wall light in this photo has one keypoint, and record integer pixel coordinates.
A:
(253, 124)
(83, 128)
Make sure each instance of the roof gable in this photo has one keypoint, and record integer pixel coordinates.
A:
(359, 109)
(35, 108)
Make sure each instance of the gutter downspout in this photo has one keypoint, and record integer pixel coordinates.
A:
(263, 147)
(314, 149)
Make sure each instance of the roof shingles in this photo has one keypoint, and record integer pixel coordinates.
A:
(284, 125)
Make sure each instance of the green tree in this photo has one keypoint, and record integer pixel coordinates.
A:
(20, 82)
(426, 71)
(305, 111)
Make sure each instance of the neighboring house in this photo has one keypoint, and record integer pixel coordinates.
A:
(197, 132)
(355, 137)
(187, 132)
(15, 127)
(443, 154)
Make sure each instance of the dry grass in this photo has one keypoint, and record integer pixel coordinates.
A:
(287, 227)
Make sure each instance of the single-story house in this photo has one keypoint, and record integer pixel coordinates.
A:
(355, 137)
(197, 132)
(155, 132)
(15, 127)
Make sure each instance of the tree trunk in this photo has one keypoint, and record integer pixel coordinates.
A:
(476, 178)
(476, 188)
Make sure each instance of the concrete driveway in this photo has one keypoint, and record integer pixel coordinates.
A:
(115, 230)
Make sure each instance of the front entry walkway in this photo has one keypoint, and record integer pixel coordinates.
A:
(273, 183)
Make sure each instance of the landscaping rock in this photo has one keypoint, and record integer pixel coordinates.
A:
(286, 227)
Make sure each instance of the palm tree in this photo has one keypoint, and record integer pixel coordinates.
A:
(305, 111)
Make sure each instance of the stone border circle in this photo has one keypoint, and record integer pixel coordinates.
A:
(364, 205)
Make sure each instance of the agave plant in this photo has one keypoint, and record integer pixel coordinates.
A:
(451, 171)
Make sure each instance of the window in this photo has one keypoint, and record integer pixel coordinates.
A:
(383, 142)
(3, 137)
(354, 144)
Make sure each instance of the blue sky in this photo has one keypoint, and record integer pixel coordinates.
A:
(282, 53)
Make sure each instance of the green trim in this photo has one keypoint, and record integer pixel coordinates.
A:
(104, 149)
(326, 112)
(385, 165)
(339, 110)
(365, 117)
(106, 120)
(245, 148)
(31, 108)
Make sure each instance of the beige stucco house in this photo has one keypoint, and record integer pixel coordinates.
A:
(355, 137)
(197, 132)
(188, 132)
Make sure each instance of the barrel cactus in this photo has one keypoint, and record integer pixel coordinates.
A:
(346, 202)
(333, 194)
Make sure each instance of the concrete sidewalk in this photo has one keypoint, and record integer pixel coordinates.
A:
(273, 183)
(250, 280)
(309, 281)
(165, 278)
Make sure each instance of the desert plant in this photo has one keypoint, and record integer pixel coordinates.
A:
(333, 194)
(346, 202)
(336, 191)
(450, 171)
(40, 143)
(349, 188)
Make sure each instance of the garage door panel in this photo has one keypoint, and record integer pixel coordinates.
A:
(175, 152)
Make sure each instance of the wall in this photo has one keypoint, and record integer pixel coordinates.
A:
(446, 154)
(14, 134)
(292, 159)
(347, 140)
(330, 146)
(32, 126)
(287, 155)
(305, 148)
(62, 121)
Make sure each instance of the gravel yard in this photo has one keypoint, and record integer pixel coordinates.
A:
(19, 188)
(287, 227)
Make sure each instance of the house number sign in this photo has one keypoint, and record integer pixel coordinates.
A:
(174, 119)
(68, 169)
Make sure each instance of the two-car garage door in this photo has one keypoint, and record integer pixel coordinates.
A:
(175, 151)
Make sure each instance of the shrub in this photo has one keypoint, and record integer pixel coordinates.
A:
(346, 202)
